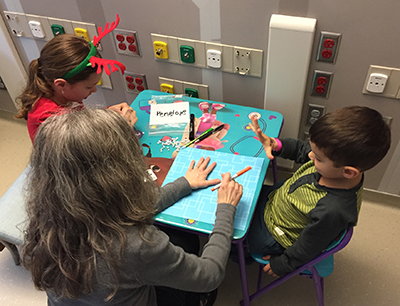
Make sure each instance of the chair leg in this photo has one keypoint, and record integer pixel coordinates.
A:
(243, 276)
(13, 250)
(319, 286)
(260, 274)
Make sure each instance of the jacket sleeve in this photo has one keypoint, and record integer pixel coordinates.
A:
(173, 192)
(165, 264)
(294, 149)
(327, 221)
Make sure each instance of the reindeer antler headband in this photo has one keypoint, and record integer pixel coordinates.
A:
(91, 60)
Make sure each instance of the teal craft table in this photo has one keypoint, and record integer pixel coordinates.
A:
(238, 139)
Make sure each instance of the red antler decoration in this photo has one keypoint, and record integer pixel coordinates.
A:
(106, 31)
(104, 62)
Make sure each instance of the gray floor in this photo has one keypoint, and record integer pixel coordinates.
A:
(366, 271)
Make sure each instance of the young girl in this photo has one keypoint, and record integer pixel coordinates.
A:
(91, 239)
(54, 83)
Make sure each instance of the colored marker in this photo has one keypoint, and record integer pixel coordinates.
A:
(233, 177)
(195, 140)
(191, 127)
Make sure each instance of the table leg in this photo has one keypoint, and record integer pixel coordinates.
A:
(243, 275)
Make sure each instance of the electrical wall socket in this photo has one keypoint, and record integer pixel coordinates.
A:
(328, 47)
(321, 84)
(314, 113)
(127, 42)
(134, 82)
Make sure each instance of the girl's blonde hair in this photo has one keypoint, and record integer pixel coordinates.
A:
(60, 55)
(88, 182)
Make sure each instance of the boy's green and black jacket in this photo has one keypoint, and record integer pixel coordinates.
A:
(303, 216)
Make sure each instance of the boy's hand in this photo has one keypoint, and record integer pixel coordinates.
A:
(197, 175)
(268, 143)
(267, 267)
(230, 191)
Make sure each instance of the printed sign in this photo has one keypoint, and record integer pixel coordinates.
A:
(169, 113)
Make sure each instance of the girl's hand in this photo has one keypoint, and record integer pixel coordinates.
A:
(197, 175)
(268, 143)
(125, 111)
(230, 191)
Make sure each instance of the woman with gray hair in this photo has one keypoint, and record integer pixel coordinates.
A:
(91, 239)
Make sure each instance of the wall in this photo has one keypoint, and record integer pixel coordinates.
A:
(367, 38)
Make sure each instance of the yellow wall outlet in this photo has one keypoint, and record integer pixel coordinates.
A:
(160, 49)
(167, 88)
(82, 33)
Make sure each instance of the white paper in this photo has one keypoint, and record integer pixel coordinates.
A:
(167, 113)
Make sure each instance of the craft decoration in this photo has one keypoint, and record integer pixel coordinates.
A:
(92, 60)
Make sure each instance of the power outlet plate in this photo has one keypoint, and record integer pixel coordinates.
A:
(314, 113)
(134, 82)
(321, 84)
(127, 42)
(328, 47)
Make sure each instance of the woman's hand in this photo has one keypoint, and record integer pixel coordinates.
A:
(268, 143)
(125, 111)
(230, 191)
(197, 175)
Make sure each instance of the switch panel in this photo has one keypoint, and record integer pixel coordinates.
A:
(328, 47)
(321, 84)
(127, 42)
(134, 82)
(314, 113)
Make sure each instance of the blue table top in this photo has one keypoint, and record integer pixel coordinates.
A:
(238, 139)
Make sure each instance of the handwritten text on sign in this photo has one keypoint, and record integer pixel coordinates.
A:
(169, 113)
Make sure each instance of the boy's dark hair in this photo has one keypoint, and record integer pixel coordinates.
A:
(354, 136)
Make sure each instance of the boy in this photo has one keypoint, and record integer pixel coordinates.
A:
(295, 221)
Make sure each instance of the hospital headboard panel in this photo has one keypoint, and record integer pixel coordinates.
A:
(288, 60)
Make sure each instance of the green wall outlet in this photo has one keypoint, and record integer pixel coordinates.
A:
(187, 54)
(57, 29)
(192, 92)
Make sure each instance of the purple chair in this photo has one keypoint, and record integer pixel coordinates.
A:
(318, 268)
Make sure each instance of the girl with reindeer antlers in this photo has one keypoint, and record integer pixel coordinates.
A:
(66, 73)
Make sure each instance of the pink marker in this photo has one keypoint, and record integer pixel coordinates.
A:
(233, 177)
